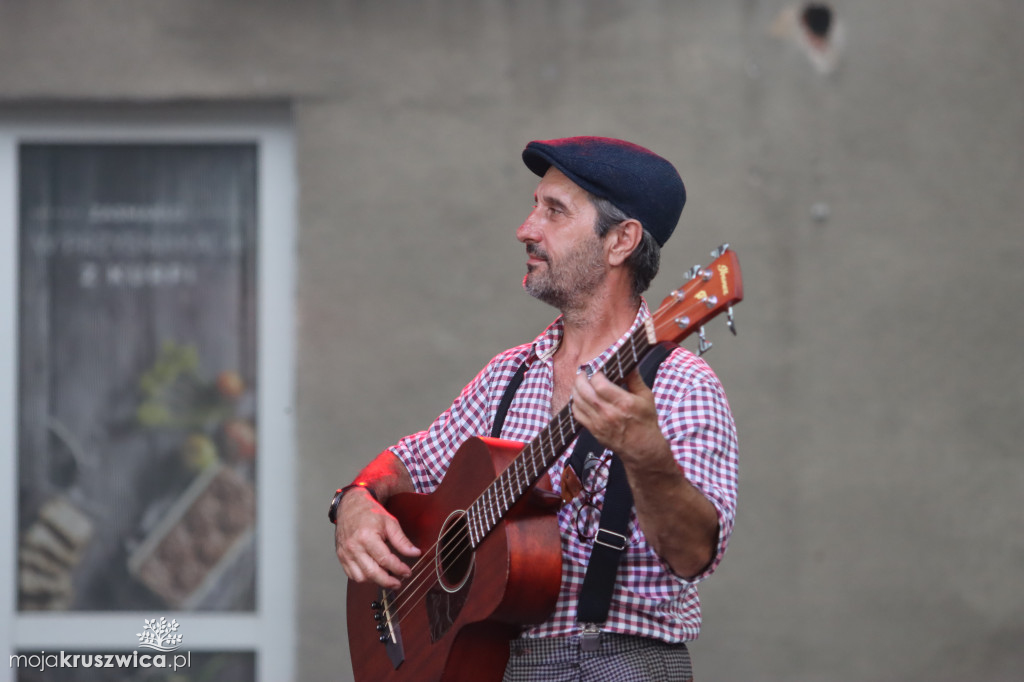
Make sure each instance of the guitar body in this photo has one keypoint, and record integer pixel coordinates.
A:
(454, 618)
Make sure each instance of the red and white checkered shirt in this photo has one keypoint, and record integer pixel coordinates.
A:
(649, 599)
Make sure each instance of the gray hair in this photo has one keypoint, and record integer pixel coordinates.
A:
(646, 257)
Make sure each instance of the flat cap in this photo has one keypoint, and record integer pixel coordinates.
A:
(637, 181)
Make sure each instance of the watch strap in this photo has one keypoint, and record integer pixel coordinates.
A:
(332, 512)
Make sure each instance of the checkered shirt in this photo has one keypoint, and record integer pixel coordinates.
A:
(649, 600)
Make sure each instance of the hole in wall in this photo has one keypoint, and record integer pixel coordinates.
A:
(816, 19)
(816, 29)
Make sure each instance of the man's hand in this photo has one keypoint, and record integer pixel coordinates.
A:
(366, 540)
(624, 420)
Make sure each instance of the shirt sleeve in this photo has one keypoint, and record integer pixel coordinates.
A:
(699, 426)
(427, 454)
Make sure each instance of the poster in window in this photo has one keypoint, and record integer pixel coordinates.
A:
(137, 431)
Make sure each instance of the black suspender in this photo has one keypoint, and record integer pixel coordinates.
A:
(612, 536)
(506, 400)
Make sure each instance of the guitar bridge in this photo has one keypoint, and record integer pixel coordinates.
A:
(388, 628)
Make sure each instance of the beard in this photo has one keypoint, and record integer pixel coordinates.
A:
(566, 282)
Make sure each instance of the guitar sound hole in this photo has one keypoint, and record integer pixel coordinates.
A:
(454, 558)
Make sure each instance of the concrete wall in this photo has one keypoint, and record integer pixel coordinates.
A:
(877, 380)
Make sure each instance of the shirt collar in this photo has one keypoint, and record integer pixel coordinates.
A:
(545, 345)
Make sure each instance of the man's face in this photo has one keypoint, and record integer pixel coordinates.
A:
(566, 259)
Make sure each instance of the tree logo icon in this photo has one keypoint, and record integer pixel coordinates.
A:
(159, 635)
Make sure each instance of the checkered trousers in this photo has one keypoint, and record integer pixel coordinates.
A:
(649, 599)
(621, 658)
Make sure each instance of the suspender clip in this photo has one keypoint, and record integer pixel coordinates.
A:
(590, 640)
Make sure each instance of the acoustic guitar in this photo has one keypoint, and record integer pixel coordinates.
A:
(492, 556)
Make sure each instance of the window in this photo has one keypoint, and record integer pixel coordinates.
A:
(147, 374)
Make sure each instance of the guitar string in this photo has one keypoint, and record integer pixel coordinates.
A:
(421, 571)
(453, 547)
(422, 575)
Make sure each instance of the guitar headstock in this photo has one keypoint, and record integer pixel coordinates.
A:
(710, 290)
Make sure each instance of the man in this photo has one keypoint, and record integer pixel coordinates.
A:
(602, 211)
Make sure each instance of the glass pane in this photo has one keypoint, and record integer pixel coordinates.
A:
(137, 377)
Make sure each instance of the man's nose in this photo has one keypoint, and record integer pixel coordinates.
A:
(528, 231)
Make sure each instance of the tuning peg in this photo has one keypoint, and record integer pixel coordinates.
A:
(720, 250)
(704, 346)
(731, 320)
(699, 271)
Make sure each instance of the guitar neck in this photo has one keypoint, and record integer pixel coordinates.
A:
(545, 449)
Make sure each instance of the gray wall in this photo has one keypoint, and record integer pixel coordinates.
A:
(877, 380)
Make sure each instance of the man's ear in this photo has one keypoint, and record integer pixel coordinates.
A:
(623, 239)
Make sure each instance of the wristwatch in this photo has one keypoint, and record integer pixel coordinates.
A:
(332, 513)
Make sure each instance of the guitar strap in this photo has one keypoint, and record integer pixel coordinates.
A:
(612, 539)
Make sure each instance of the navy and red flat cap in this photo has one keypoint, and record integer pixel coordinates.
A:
(637, 181)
